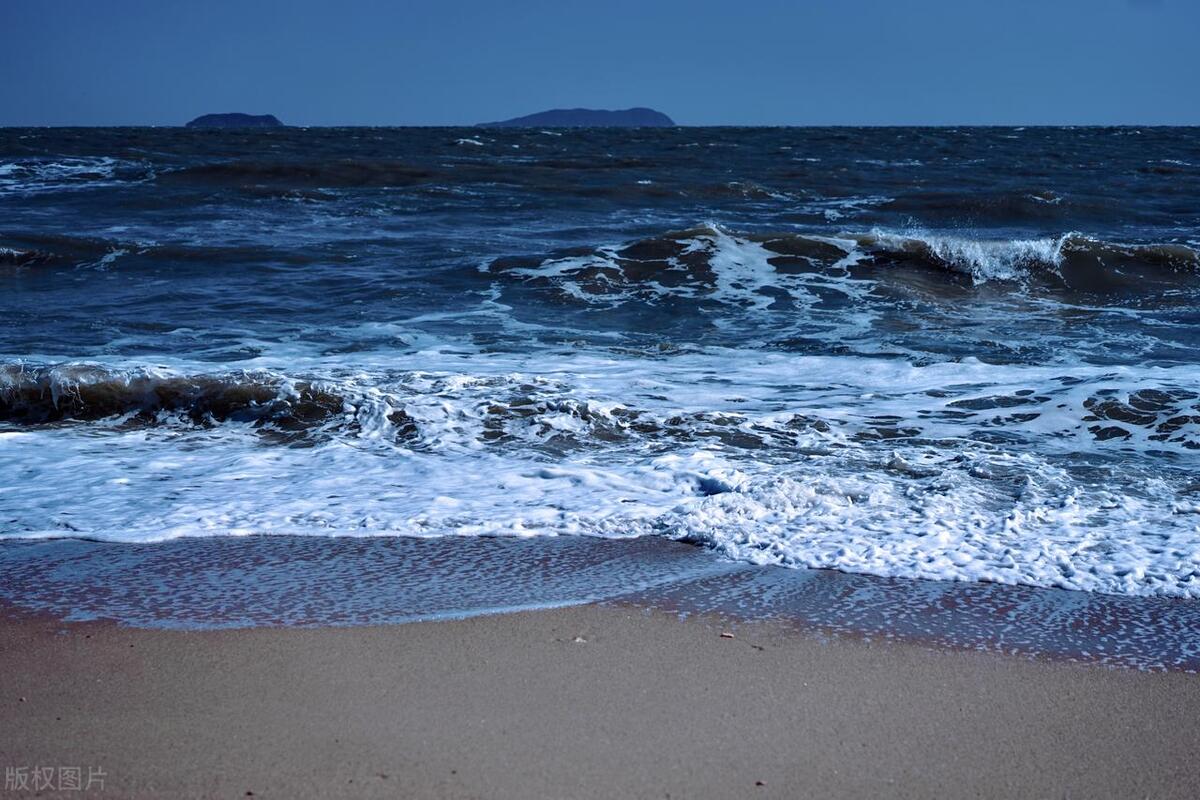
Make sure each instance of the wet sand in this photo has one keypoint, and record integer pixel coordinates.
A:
(587, 701)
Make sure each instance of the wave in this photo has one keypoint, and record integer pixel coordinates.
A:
(12, 257)
(743, 267)
(1104, 410)
(957, 470)
(88, 392)
(29, 250)
(1072, 260)
(41, 249)
(1076, 260)
(36, 174)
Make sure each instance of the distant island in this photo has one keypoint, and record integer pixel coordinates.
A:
(236, 121)
(588, 118)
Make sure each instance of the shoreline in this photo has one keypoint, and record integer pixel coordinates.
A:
(254, 581)
(515, 705)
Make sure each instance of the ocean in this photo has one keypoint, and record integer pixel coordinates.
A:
(944, 354)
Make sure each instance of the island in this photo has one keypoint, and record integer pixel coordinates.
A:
(588, 118)
(236, 121)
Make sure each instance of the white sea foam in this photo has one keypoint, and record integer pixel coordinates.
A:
(34, 175)
(742, 275)
(956, 470)
(982, 259)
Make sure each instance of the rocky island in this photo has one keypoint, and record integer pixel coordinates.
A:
(236, 121)
(588, 118)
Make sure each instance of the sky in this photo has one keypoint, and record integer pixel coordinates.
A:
(743, 62)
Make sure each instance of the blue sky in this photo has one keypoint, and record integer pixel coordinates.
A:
(754, 62)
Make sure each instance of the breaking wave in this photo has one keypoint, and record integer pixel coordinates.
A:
(747, 266)
(11, 257)
(39, 174)
(88, 392)
(952, 470)
(1070, 410)
(1076, 261)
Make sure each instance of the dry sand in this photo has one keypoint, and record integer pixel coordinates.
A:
(517, 706)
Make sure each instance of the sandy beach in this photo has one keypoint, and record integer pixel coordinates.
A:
(585, 701)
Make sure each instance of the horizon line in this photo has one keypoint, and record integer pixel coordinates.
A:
(643, 127)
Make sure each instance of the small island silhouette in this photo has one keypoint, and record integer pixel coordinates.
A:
(236, 121)
(588, 118)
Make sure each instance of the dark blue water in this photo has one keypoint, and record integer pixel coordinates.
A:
(933, 353)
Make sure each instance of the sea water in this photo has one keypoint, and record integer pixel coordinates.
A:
(951, 353)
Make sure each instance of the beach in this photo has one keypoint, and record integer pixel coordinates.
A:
(583, 701)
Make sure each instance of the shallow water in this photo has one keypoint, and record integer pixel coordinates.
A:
(931, 353)
(255, 581)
